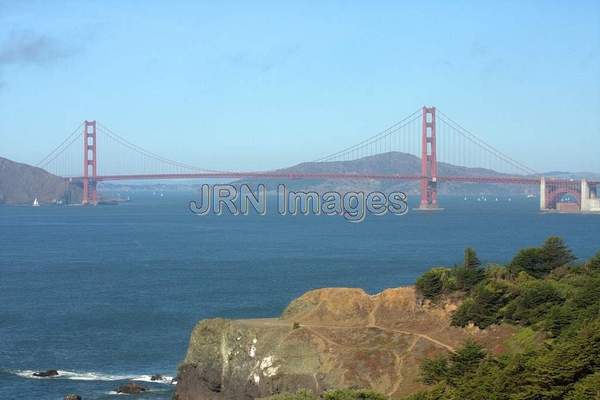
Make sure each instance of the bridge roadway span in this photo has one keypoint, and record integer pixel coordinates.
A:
(333, 176)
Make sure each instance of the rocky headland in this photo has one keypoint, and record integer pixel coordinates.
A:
(22, 183)
(325, 339)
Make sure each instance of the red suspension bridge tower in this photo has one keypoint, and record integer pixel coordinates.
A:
(429, 172)
(90, 194)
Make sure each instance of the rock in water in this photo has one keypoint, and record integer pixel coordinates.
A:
(131, 388)
(327, 338)
(156, 377)
(46, 374)
(72, 397)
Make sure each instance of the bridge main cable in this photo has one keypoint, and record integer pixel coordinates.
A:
(140, 150)
(58, 150)
(380, 135)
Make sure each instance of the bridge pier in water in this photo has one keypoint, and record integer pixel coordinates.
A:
(589, 196)
(582, 193)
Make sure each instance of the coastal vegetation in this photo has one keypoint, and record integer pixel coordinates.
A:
(337, 394)
(555, 303)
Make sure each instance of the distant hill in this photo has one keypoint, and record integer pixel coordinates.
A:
(393, 163)
(22, 183)
(573, 175)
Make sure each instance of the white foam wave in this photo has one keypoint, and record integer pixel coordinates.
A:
(95, 376)
(148, 378)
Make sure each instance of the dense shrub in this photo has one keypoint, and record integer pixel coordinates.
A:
(337, 394)
(533, 302)
(439, 281)
(586, 389)
(434, 370)
(558, 319)
(467, 278)
(450, 369)
(568, 368)
(434, 282)
(352, 394)
(483, 307)
(593, 263)
(299, 395)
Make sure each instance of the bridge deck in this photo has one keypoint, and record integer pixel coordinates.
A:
(332, 176)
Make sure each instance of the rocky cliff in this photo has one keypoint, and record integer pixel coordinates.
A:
(327, 338)
(22, 183)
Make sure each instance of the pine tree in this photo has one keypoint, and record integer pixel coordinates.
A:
(471, 260)
(556, 253)
(531, 261)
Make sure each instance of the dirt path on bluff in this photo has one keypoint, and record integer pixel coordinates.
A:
(277, 322)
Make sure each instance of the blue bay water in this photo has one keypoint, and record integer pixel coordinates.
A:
(111, 293)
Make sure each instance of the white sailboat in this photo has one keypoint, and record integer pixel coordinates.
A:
(35, 202)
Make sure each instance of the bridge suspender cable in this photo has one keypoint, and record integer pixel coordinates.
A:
(386, 132)
(481, 143)
(120, 139)
(61, 147)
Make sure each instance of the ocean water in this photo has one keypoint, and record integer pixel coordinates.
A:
(110, 293)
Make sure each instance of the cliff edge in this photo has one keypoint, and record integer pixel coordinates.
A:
(325, 339)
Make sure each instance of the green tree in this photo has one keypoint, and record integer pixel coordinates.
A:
(586, 389)
(533, 303)
(352, 394)
(437, 393)
(451, 369)
(468, 278)
(486, 382)
(555, 253)
(530, 260)
(433, 282)
(593, 263)
(588, 293)
(301, 394)
(465, 360)
(551, 374)
(465, 313)
(483, 307)
(558, 318)
(434, 370)
(471, 260)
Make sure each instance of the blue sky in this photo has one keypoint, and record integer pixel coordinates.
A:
(257, 85)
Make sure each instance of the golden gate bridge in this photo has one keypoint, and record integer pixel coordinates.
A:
(448, 152)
